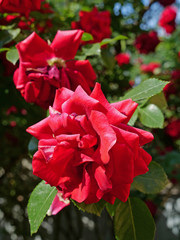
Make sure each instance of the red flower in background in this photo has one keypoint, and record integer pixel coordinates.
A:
(173, 86)
(45, 68)
(122, 58)
(17, 6)
(96, 23)
(166, 2)
(167, 19)
(147, 42)
(87, 150)
(149, 68)
(173, 129)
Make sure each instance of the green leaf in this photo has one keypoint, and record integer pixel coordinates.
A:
(108, 58)
(151, 116)
(133, 221)
(12, 55)
(112, 40)
(111, 208)
(33, 146)
(153, 181)
(95, 208)
(159, 100)
(86, 37)
(39, 203)
(133, 118)
(145, 90)
(7, 36)
(93, 50)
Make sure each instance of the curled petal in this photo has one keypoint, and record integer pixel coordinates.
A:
(85, 68)
(58, 204)
(114, 116)
(34, 51)
(126, 107)
(41, 130)
(105, 132)
(66, 43)
(62, 95)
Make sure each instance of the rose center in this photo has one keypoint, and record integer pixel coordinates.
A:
(58, 62)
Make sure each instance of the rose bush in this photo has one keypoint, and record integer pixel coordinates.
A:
(44, 68)
(94, 22)
(122, 58)
(150, 68)
(167, 19)
(147, 42)
(87, 150)
(19, 6)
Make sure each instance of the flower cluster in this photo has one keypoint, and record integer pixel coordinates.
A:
(147, 42)
(94, 22)
(86, 149)
(24, 7)
(44, 68)
(150, 68)
(122, 58)
(167, 19)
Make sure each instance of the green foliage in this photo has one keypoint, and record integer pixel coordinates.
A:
(39, 203)
(133, 221)
(159, 100)
(95, 208)
(111, 208)
(153, 181)
(8, 35)
(112, 40)
(86, 37)
(12, 55)
(33, 146)
(151, 116)
(133, 118)
(145, 90)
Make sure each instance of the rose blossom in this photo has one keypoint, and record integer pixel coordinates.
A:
(173, 129)
(167, 19)
(87, 150)
(16, 6)
(147, 42)
(166, 2)
(95, 23)
(44, 68)
(150, 67)
(122, 58)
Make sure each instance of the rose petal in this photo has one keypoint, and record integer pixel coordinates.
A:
(126, 107)
(34, 51)
(66, 43)
(105, 132)
(41, 130)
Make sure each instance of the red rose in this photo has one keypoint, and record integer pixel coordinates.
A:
(122, 58)
(44, 68)
(166, 2)
(173, 129)
(87, 150)
(17, 6)
(147, 42)
(167, 19)
(95, 23)
(175, 75)
(149, 68)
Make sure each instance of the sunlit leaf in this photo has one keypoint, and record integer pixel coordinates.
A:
(39, 203)
(153, 181)
(133, 221)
